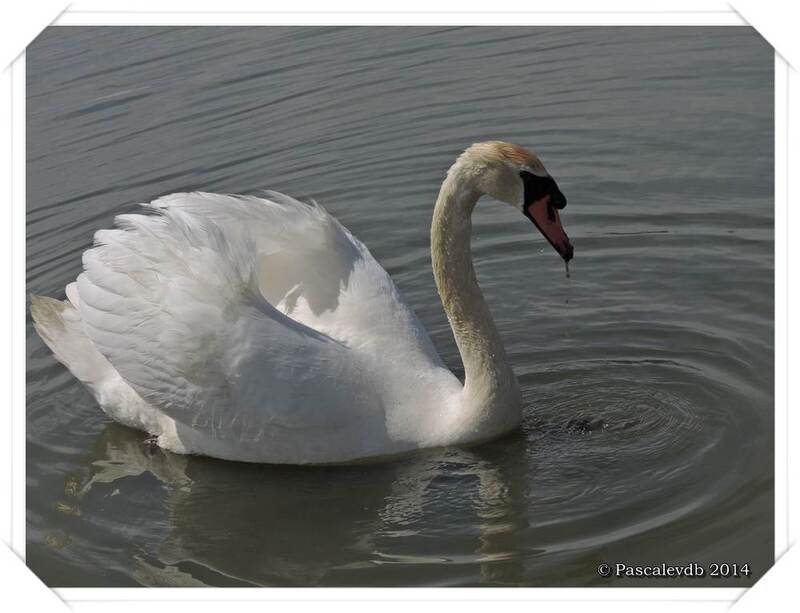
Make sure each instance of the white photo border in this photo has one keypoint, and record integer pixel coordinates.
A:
(12, 88)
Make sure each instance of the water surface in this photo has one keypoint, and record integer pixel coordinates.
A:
(647, 377)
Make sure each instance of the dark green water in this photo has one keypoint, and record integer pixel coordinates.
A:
(647, 377)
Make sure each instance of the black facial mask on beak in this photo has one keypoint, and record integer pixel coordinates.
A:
(537, 188)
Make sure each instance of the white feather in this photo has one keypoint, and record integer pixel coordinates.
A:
(176, 301)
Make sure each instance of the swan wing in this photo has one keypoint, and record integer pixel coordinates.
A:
(244, 317)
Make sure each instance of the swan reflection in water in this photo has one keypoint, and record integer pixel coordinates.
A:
(240, 524)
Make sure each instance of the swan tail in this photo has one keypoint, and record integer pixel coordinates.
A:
(59, 325)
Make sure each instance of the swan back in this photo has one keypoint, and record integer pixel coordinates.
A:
(262, 320)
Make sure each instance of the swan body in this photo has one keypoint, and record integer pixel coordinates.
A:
(259, 329)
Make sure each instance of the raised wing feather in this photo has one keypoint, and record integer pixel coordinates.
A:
(181, 302)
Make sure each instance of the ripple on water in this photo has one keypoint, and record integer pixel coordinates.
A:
(635, 442)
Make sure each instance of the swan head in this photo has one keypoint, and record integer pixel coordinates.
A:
(516, 176)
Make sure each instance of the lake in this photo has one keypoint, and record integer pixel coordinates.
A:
(647, 376)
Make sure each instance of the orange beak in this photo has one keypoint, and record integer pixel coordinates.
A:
(545, 216)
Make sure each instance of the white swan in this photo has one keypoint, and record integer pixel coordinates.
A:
(261, 330)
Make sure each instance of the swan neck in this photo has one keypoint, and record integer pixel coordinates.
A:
(488, 373)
